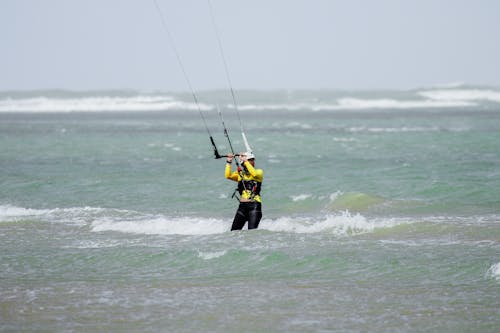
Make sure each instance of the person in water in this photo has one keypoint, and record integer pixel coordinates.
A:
(249, 184)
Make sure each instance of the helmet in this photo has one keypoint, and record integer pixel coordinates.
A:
(249, 155)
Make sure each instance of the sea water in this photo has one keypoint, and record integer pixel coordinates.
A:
(381, 212)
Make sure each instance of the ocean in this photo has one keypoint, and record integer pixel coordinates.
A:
(381, 212)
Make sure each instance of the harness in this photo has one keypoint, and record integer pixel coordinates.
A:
(249, 185)
(245, 185)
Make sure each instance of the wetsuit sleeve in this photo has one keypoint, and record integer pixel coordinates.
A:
(229, 174)
(257, 174)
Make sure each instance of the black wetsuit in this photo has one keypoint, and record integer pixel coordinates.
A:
(247, 211)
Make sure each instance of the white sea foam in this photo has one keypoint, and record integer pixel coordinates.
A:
(97, 104)
(211, 255)
(461, 95)
(162, 225)
(349, 103)
(103, 219)
(388, 103)
(343, 139)
(300, 197)
(494, 272)
(404, 129)
(341, 225)
(13, 213)
(75, 215)
(127, 221)
(96, 244)
(426, 98)
(451, 96)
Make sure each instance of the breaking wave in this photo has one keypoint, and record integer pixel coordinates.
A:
(337, 223)
(96, 104)
(437, 97)
(462, 95)
(340, 225)
(494, 272)
(125, 221)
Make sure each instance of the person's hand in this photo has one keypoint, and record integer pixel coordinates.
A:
(229, 158)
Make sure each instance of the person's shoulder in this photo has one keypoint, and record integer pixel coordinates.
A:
(259, 172)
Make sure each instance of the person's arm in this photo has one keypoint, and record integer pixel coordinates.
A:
(228, 174)
(257, 174)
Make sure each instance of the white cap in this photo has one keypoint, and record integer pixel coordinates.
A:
(249, 155)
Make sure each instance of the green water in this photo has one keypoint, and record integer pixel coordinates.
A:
(374, 221)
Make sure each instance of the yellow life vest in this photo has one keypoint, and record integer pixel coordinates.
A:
(249, 182)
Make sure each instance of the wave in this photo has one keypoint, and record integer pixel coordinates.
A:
(97, 104)
(339, 225)
(77, 215)
(211, 255)
(494, 272)
(162, 226)
(300, 197)
(453, 96)
(350, 103)
(125, 221)
(404, 129)
(343, 224)
(10, 213)
(461, 95)
(336, 223)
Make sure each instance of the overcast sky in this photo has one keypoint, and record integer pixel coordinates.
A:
(268, 44)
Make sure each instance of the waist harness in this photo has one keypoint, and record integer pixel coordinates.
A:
(249, 185)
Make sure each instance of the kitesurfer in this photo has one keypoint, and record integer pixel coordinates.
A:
(249, 184)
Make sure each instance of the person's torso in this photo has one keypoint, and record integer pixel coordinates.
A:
(249, 187)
